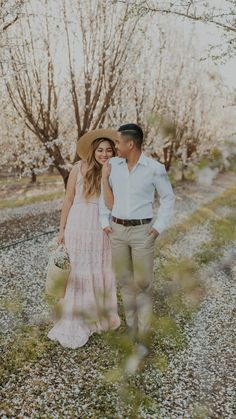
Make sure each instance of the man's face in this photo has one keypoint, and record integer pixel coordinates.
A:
(123, 146)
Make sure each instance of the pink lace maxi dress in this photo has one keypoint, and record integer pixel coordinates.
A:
(90, 303)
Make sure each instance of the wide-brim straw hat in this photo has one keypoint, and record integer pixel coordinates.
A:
(84, 143)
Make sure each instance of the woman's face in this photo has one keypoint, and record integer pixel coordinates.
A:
(103, 152)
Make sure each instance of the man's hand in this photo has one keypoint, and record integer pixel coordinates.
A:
(107, 230)
(106, 170)
(153, 232)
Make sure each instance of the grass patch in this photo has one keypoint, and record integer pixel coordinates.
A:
(12, 203)
(179, 277)
(28, 344)
(12, 304)
(223, 232)
(18, 181)
(206, 213)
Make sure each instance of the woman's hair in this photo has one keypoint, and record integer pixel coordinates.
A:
(92, 177)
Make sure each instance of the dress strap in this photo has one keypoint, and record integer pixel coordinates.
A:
(79, 173)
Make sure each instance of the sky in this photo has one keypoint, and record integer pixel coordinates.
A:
(229, 73)
(206, 35)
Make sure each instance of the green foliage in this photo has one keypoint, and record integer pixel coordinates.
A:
(208, 253)
(200, 216)
(204, 162)
(223, 232)
(12, 304)
(216, 154)
(226, 198)
(173, 180)
(168, 333)
(160, 362)
(28, 344)
(232, 163)
(200, 411)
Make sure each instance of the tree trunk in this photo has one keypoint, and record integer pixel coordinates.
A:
(64, 173)
(50, 170)
(33, 177)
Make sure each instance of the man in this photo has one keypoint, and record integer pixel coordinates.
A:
(134, 178)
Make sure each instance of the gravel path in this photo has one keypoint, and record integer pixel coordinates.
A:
(191, 195)
(200, 380)
(9, 214)
(23, 276)
(25, 222)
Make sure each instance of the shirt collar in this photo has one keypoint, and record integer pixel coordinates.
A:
(142, 160)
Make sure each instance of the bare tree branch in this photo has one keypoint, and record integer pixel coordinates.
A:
(144, 8)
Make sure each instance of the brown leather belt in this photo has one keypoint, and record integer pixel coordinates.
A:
(127, 223)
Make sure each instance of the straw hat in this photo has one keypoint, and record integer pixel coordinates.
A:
(84, 143)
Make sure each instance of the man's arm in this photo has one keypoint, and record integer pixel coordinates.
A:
(167, 199)
(107, 186)
(104, 212)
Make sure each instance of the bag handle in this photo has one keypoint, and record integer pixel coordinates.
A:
(61, 246)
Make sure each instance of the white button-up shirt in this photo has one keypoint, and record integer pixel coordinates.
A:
(134, 192)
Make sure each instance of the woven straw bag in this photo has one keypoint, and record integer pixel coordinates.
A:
(57, 277)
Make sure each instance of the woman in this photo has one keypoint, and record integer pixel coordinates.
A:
(90, 303)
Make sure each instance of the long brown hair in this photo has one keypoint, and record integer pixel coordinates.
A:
(92, 177)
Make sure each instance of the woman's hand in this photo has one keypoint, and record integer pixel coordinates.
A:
(61, 238)
(107, 230)
(106, 170)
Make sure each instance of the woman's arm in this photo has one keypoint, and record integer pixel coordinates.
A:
(107, 191)
(67, 202)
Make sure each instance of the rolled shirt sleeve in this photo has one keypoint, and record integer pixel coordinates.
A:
(167, 199)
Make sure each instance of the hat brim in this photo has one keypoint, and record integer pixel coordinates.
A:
(84, 143)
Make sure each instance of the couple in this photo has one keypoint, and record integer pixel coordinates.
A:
(107, 227)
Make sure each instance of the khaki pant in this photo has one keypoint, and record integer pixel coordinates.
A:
(132, 260)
